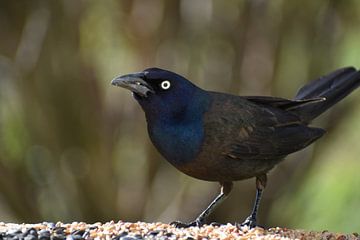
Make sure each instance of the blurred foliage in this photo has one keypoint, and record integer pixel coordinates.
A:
(74, 148)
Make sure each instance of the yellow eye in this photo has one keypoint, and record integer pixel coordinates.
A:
(165, 84)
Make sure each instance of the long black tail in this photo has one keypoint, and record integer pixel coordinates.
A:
(332, 87)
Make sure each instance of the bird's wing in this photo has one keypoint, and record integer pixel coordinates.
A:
(273, 142)
(259, 129)
(282, 103)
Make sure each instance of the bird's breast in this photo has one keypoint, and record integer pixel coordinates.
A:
(179, 143)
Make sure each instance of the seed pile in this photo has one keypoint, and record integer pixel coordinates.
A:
(140, 230)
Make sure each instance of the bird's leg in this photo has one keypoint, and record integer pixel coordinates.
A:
(260, 186)
(226, 188)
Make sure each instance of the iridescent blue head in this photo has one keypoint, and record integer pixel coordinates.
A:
(161, 93)
(174, 109)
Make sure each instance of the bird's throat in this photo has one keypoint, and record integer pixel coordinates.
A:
(176, 126)
(178, 143)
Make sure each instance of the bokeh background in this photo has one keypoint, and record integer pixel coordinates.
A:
(74, 148)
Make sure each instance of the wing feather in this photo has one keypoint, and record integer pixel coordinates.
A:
(257, 127)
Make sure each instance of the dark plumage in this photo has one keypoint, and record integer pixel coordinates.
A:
(221, 137)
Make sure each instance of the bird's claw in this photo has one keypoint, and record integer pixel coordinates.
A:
(178, 224)
(215, 224)
(249, 222)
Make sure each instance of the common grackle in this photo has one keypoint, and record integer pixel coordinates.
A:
(221, 137)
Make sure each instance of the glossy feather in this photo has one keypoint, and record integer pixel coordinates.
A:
(221, 137)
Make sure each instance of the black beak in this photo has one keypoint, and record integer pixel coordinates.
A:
(134, 82)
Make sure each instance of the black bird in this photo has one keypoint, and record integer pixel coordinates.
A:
(221, 137)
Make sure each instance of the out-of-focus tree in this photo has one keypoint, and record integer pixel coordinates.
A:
(74, 148)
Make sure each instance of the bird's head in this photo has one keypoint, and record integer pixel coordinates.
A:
(160, 92)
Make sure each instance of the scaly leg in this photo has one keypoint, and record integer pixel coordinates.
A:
(200, 220)
(260, 186)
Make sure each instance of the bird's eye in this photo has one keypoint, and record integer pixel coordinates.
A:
(165, 85)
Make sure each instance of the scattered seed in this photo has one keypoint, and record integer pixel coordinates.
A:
(159, 231)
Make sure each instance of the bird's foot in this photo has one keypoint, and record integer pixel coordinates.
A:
(215, 224)
(249, 222)
(178, 224)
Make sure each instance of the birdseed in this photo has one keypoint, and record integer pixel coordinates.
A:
(140, 230)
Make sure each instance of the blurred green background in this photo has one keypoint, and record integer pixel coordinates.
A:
(74, 148)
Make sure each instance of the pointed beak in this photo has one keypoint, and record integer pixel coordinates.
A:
(134, 82)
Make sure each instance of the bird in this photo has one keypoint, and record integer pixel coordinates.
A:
(220, 137)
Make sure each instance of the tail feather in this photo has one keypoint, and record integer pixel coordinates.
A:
(333, 87)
